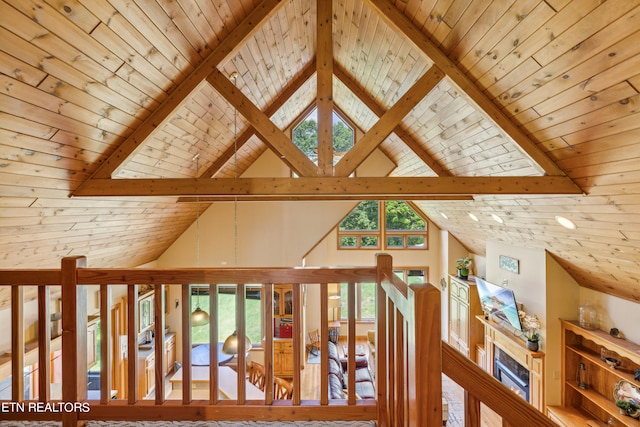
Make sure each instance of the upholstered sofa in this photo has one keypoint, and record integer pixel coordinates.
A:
(338, 376)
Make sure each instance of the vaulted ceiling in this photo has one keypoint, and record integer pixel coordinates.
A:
(525, 109)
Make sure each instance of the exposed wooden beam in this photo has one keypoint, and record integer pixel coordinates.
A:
(404, 187)
(389, 120)
(324, 55)
(277, 140)
(209, 199)
(366, 98)
(397, 20)
(249, 26)
(282, 98)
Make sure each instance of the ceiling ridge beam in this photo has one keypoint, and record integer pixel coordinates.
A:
(397, 20)
(366, 98)
(324, 93)
(388, 121)
(283, 97)
(248, 27)
(273, 136)
(404, 187)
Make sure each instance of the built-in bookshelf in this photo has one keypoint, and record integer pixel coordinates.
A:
(594, 401)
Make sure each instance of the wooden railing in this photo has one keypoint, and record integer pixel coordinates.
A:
(409, 350)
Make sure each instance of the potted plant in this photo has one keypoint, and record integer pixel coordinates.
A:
(530, 324)
(628, 408)
(462, 265)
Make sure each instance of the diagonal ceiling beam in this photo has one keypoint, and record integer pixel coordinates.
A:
(378, 110)
(273, 136)
(248, 27)
(389, 120)
(320, 187)
(324, 56)
(397, 20)
(282, 98)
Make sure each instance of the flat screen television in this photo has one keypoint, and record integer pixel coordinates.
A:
(500, 302)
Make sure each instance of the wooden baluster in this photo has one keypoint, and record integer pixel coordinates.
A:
(105, 344)
(132, 344)
(471, 410)
(158, 325)
(268, 344)
(399, 367)
(351, 344)
(17, 343)
(324, 344)
(297, 343)
(44, 344)
(213, 344)
(391, 360)
(186, 344)
(241, 325)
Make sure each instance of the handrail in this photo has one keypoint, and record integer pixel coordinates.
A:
(480, 387)
(409, 352)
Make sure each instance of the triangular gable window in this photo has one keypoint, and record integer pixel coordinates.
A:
(305, 136)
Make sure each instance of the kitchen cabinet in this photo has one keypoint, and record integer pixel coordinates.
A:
(283, 357)
(466, 332)
(169, 353)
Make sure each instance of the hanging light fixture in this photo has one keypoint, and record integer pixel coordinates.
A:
(199, 317)
(230, 345)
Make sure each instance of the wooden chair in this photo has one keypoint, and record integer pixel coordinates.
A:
(256, 375)
(282, 389)
(314, 345)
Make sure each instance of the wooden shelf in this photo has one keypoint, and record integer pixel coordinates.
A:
(582, 346)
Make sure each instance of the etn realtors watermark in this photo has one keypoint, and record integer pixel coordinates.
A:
(43, 407)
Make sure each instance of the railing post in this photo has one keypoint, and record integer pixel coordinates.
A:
(74, 337)
(425, 360)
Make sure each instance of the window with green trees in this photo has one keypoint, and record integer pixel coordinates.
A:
(391, 224)
(305, 136)
(227, 312)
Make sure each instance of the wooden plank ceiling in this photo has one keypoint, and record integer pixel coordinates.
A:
(522, 104)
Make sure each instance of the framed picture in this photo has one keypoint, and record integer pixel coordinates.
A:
(510, 264)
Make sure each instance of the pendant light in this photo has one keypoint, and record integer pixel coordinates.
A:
(199, 317)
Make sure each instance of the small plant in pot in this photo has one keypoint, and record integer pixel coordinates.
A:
(462, 265)
(530, 324)
(628, 408)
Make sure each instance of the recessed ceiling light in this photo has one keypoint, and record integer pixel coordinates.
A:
(565, 222)
(444, 215)
(496, 218)
(473, 217)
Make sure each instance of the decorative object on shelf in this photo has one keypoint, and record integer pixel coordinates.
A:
(637, 376)
(581, 376)
(612, 362)
(588, 316)
(615, 332)
(509, 264)
(530, 325)
(462, 265)
(627, 397)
